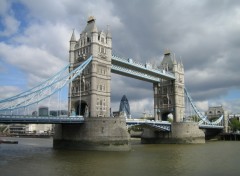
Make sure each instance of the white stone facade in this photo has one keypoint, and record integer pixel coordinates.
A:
(169, 94)
(91, 92)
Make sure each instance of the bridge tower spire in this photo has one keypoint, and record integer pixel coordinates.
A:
(169, 94)
(94, 84)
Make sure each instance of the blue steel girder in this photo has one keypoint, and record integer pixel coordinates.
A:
(157, 125)
(21, 119)
(133, 74)
(211, 127)
(128, 67)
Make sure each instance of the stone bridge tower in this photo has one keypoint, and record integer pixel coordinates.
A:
(169, 94)
(90, 93)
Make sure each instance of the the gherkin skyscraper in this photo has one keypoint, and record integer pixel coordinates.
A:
(124, 107)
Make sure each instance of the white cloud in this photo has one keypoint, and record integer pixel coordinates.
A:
(139, 107)
(4, 6)
(202, 105)
(8, 91)
(51, 38)
(11, 26)
(9, 22)
(204, 33)
(35, 62)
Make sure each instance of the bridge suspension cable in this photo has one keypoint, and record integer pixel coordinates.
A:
(202, 119)
(44, 90)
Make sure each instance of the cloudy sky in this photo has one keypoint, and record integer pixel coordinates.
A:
(34, 43)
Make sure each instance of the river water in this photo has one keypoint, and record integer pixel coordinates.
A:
(36, 157)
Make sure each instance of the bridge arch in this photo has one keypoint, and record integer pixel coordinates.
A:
(167, 115)
(81, 108)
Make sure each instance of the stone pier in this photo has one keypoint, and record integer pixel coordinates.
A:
(182, 133)
(101, 133)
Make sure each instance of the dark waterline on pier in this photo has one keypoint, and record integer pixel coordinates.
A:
(36, 157)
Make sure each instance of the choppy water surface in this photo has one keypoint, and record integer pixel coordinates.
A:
(36, 157)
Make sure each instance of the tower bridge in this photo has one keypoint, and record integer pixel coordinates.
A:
(88, 75)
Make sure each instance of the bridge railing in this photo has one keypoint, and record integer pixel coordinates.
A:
(146, 66)
(135, 73)
(8, 119)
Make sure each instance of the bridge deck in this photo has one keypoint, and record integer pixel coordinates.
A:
(8, 119)
(211, 127)
(20, 119)
(157, 125)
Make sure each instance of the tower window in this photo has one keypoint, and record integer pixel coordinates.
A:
(102, 39)
(165, 100)
(102, 50)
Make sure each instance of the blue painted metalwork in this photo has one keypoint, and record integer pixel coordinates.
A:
(121, 66)
(204, 122)
(157, 125)
(8, 119)
(129, 67)
(134, 74)
(38, 87)
(44, 91)
(210, 127)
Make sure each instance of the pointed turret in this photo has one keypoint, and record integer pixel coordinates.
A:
(72, 47)
(73, 38)
(91, 26)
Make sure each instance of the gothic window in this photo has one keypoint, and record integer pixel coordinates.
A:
(102, 50)
(104, 106)
(88, 39)
(180, 78)
(165, 100)
(164, 90)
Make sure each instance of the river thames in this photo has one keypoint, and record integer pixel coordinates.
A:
(32, 156)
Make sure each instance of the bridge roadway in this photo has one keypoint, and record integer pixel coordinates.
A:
(21, 119)
(157, 125)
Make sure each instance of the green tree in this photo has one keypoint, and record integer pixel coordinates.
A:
(234, 124)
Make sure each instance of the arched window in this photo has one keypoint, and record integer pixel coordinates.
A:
(165, 100)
